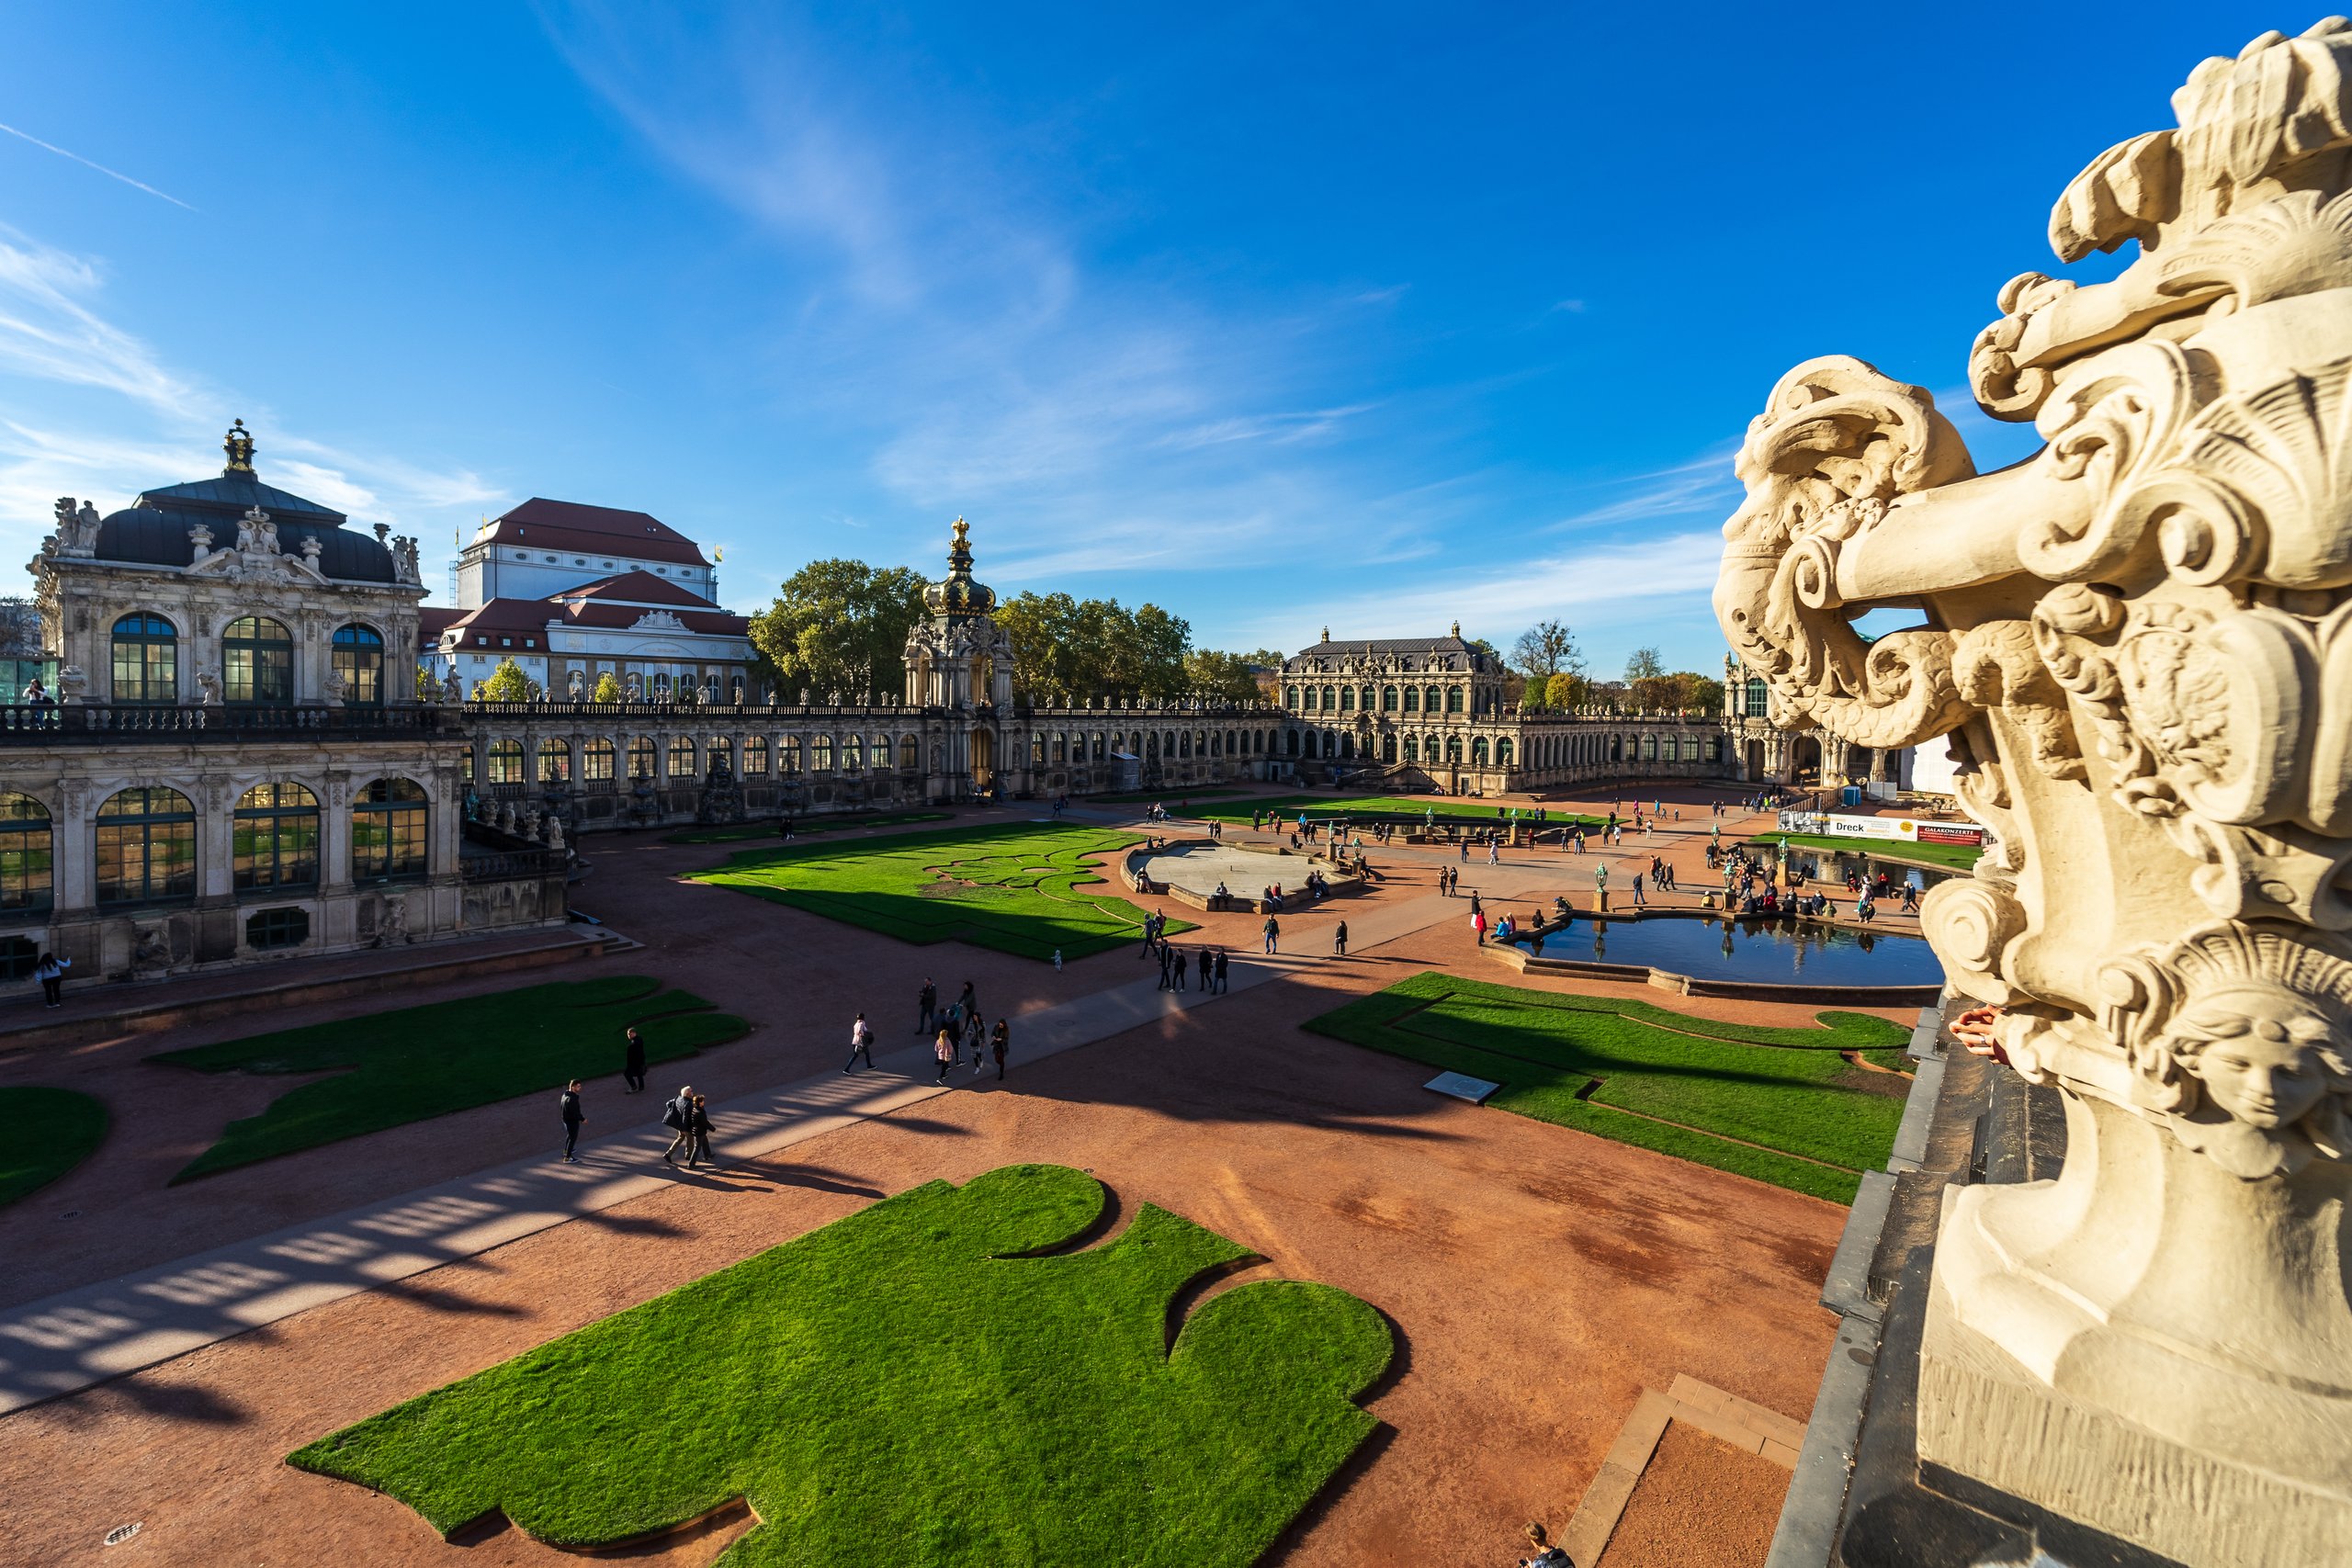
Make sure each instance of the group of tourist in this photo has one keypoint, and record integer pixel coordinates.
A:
(1174, 968)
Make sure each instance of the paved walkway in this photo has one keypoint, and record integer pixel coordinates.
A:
(81, 1337)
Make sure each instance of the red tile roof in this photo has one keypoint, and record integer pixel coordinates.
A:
(569, 525)
(634, 588)
(713, 623)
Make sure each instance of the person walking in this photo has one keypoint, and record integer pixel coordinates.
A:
(1637, 889)
(927, 1005)
(1180, 967)
(967, 1002)
(50, 973)
(678, 1116)
(1273, 933)
(699, 1123)
(860, 1043)
(975, 1033)
(997, 1042)
(1165, 983)
(1340, 939)
(943, 1049)
(1494, 851)
(633, 1062)
(1208, 971)
(567, 1107)
(1479, 924)
(1222, 984)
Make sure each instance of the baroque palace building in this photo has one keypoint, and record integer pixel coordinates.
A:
(237, 761)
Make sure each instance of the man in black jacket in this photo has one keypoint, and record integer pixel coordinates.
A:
(568, 1106)
(928, 1002)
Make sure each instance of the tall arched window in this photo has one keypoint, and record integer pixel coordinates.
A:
(1412, 699)
(274, 837)
(681, 758)
(788, 754)
(1503, 752)
(877, 753)
(359, 655)
(1649, 748)
(755, 756)
(1294, 742)
(1412, 749)
(146, 846)
(257, 661)
(1347, 699)
(597, 762)
(146, 659)
(641, 757)
(555, 760)
(720, 750)
(820, 754)
(1388, 748)
(1478, 752)
(1289, 696)
(1453, 699)
(1759, 698)
(1429, 698)
(26, 856)
(505, 761)
(1453, 748)
(387, 822)
(1388, 699)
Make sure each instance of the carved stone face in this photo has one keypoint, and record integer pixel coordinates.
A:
(2259, 1053)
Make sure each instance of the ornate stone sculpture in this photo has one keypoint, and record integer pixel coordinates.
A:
(2140, 643)
(77, 527)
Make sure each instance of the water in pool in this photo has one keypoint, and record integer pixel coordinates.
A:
(1781, 952)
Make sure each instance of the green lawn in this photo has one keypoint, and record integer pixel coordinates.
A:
(1011, 885)
(44, 1132)
(801, 827)
(1951, 857)
(911, 1385)
(421, 1062)
(1691, 1085)
(1317, 805)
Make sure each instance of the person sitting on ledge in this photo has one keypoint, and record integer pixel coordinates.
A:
(1221, 892)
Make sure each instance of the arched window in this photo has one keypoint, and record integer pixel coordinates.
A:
(146, 659)
(1388, 748)
(641, 757)
(820, 754)
(146, 846)
(1347, 699)
(1412, 746)
(755, 755)
(1348, 746)
(681, 758)
(387, 820)
(359, 655)
(909, 754)
(1289, 696)
(1453, 699)
(1388, 699)
(1430, 698)
(1099, 753)
(505, 761)
(1503, 752)
(1759, 699)
(788, 754)
(720, 750)
(1367, 699)
(1478, 752)
(597, 762)
(26, 856)
(877, 753)
(1412, 699)
(274, 837)
(555, 762)
(257, 661)
(1649, 748)
(1037, 749)
(1294, 742)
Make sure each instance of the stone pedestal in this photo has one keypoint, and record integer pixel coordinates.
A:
(2128, 1344)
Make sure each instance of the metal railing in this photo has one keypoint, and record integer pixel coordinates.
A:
(50, 724)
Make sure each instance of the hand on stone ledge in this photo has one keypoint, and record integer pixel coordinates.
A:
(1974, 1030)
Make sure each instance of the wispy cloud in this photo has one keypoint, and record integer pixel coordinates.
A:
(1703, 485)
(152, 423)
(88, 163)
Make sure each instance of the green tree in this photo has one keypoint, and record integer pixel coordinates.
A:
(1568, 689)
(1543, 651)
(1695, 693)
(1095, 648)
(507, 683)
(1158, 645)
(1228, 677)
(608, 689)
(840, 627)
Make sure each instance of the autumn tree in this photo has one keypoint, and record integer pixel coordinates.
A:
(507, 683)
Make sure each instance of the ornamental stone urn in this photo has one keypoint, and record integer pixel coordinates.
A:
(2139, 644)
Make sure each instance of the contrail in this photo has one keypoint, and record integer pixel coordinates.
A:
(52, 147)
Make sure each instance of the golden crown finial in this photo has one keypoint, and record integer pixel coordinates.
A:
(239, 445)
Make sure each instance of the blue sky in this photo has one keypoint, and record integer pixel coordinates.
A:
(1363, 316)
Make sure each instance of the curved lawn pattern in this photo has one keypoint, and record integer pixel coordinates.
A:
(428, 1061)
(914, 1384)
(1693, 1088)
(1012, 886)
(1315, 807)
(44, 1132)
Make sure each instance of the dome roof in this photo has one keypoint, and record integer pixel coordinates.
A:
(956, 597)
(153, 530)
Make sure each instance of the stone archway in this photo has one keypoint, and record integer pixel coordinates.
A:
(1755, 770)
(1804, 760)
(983, 758)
